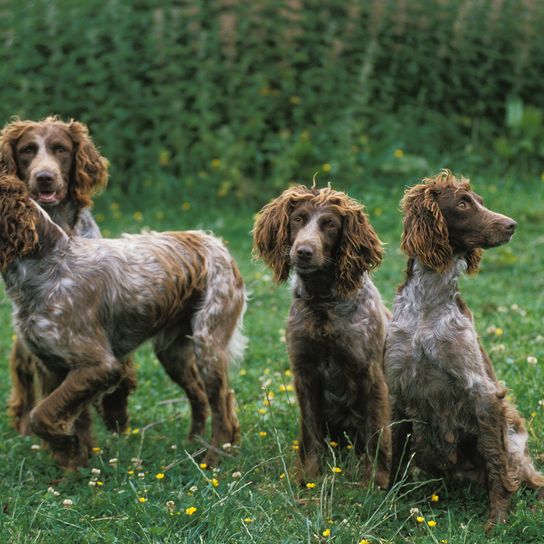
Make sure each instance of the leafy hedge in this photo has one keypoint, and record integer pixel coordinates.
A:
(239, 97)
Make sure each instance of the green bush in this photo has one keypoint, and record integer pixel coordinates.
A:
(219, 98)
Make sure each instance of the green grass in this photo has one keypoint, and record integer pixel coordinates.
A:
(507, 296)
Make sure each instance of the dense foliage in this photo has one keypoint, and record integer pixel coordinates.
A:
(239, 97)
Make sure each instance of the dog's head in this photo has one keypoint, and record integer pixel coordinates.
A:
(58, 161)
(443, 217)
(316, 229)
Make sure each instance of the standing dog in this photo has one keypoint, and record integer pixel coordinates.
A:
(448, 407)
(336, 326)
(82, 305)
(62, 169)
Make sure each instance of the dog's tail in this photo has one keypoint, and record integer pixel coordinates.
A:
(219, 320)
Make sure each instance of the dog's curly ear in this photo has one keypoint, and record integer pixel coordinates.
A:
(90, 168)
(425, 233)
(8, 138)
(18, 221)
(360, 250)
(473, 258)
(271, 232)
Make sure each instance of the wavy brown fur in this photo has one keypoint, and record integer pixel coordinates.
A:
(18, 235)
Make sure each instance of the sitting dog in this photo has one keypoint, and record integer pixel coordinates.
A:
(62, 169)
(82, 305)
(336, 326)
(448, 408)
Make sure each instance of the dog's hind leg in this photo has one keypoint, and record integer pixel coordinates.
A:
(178, 359)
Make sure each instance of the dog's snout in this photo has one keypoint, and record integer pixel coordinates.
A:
(305, 251)
(45, 177)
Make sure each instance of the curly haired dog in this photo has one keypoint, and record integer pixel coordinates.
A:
(448, 408)
(336, 325)
(82, 305)
(62, 169)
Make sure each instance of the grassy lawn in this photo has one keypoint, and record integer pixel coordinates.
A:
(252, 498)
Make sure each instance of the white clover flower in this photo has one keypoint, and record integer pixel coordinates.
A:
(67, 503)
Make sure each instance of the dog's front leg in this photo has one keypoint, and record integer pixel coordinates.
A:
(401, 434)
(312, 426)
(62, 420)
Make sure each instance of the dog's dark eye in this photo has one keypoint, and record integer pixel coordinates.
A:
(297, 219)
(60, 149)
(462, 204)
(26, 149)
(330, 225)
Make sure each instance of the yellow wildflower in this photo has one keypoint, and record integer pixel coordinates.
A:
(97, 450)
(326, 532)
(190, 511)
(431, 523)
(288, 373)
(434, 497)
(333, 444)
(336, 470)
(131, 472)
(420, 519)
(310, 485)
(142, 499)
(262, 411)
(262, 434)
(398, 153)
(186, 206)
(248, 520)
(160, 475)
(326, 167)
(282, 475)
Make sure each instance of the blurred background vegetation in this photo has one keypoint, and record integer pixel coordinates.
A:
(234, 99)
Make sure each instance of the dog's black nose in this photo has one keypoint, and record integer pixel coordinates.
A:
(44, 176)
(305, 252)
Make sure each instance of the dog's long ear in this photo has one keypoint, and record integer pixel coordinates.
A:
(360, 250)
(8, 138)
(425, 232)
(18, 221)
(90, 168)
(271, 233)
